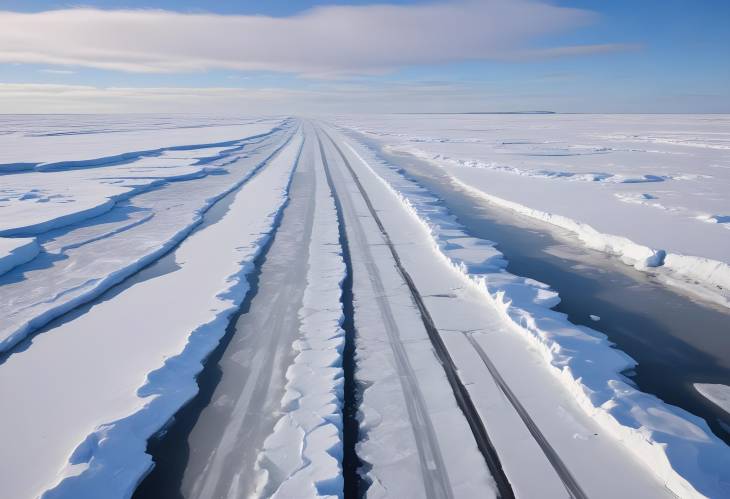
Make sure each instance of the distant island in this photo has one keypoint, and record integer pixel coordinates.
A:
(489, 112)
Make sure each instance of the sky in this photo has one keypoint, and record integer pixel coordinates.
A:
(357, 56)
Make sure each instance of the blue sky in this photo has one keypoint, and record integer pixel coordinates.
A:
(572, 56)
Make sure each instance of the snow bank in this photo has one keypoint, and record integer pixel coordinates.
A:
(302, 458)
(14, 252)
(107, 396)
(678, 446)
(712, 275)
(637, 255)
(601, 177)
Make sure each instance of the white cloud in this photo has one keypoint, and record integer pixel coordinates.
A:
(57, 71)
(324, 41)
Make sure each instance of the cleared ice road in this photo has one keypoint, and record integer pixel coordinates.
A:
(242, 410)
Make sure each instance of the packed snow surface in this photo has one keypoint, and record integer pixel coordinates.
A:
(652, 190)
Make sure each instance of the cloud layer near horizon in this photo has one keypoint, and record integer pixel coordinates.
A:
(321, 42)
(323, 98)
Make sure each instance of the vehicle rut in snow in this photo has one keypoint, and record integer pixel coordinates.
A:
(572, 486)
(570, 483)
(461, 394)
(434, 470)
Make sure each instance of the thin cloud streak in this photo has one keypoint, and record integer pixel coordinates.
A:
(317, 99)
(325, 42)
(327, 98)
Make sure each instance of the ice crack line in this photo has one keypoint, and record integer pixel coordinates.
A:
(354, 485)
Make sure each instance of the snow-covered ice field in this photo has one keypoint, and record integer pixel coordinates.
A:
(128, 245)
(652, 189)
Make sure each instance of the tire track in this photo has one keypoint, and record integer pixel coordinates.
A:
(569, 482)
(437, 484)
(571, 485)
(463, 399)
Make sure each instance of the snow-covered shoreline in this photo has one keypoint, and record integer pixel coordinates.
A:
(661, 435)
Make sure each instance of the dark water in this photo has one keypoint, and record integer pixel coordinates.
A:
(355, 485)
(676, 340)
